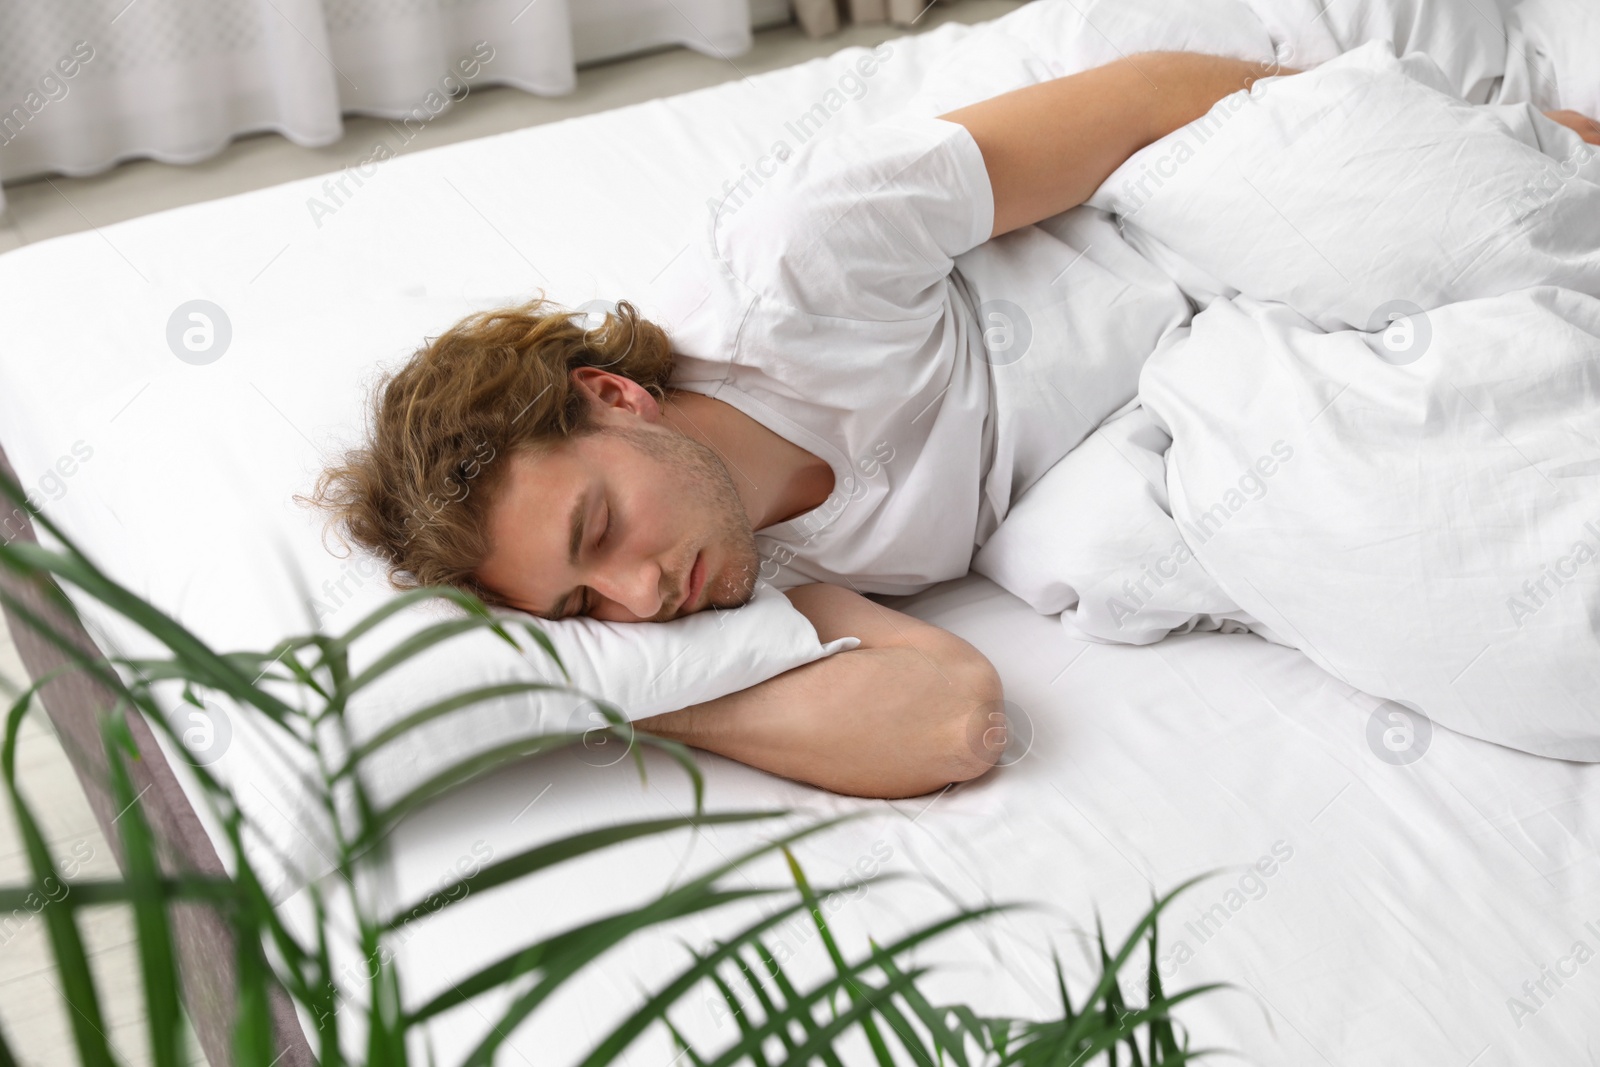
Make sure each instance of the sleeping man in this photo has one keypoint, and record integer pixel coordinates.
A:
(840, 409)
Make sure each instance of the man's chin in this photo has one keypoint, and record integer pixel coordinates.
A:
(737, 599)
(739, 593)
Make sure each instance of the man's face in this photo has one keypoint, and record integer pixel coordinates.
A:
(649, 500)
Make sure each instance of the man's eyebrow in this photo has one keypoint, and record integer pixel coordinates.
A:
(574, 540)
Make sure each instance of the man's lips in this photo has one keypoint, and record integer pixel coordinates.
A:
(697, 578)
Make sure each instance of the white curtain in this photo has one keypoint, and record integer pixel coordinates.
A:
(87, 83)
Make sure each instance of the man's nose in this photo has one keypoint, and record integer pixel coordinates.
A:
(638, 589)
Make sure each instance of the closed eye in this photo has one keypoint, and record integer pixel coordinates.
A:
(605, 529)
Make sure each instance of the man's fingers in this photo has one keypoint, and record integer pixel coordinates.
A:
(1585, 127)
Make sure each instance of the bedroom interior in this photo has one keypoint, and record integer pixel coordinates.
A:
(1376, 885)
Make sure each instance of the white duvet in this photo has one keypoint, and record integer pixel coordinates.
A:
(1379, 441)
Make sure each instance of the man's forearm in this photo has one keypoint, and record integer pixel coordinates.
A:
(875, 722)
(1172, 89)
(1048, 147)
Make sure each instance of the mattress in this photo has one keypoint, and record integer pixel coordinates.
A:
(1434, 909)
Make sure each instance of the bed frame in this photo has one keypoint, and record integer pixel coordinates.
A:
(204, 942)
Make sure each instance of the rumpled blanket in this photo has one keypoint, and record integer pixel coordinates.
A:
(1378, 441)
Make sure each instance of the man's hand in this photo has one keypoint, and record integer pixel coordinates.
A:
(1586, 127)
(1048, 147)
(911, 710)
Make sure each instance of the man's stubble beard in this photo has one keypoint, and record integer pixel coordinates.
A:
(711, 487)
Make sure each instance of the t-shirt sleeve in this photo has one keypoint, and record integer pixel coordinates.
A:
(863, 224)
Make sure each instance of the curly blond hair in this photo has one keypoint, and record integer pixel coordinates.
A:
(495, 384)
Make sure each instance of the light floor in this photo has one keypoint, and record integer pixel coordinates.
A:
(31, 1011)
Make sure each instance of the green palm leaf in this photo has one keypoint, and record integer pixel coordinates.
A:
(56, 911)
(865, 1000)
(6, 1058)
(157, 963)
(655, 1008)
(428, 713)
(542, 857)
(758, 988)
(798, 1007)
(466, 601)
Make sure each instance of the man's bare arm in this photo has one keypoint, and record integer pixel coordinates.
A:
(1577, 121)
(911, 710)
(1048, 147)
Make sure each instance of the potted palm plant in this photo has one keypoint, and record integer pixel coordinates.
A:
(869, 997)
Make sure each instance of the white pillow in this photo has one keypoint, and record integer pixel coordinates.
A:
(642, 669)
(648, 669)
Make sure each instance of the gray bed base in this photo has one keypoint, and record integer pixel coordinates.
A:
(204, 941)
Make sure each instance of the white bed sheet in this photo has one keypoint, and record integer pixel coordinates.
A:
(1416, 900)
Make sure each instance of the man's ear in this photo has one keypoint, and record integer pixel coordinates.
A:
(615, 393)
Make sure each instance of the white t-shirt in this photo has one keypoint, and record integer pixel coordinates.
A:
(840, 305)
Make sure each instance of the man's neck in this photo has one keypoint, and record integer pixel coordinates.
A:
(776, 479)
